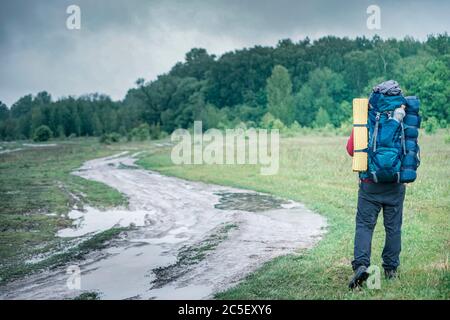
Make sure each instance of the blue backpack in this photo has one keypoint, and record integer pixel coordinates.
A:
(393, 151)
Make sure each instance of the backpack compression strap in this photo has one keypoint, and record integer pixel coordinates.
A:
(375, 132)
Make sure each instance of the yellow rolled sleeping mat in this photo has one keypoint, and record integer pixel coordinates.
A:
(360, 134)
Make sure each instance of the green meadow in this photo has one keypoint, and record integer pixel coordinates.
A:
(37, 191)
(316, 170)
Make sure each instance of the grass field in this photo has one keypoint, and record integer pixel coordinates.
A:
(317, 171)
(36, 192)
(313, 169)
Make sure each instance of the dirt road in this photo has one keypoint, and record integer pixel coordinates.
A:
(188, 240)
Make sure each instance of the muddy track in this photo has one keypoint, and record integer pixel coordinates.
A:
(189, 239)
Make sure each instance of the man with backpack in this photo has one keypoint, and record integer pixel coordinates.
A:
(393, 158)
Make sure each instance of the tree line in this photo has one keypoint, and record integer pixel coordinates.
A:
(305, 83)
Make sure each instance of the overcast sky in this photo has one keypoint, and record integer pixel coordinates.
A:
(122, 40)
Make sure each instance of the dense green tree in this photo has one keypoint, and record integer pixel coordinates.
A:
(429, 79)
(317, 78)
(236, 73)
(37, 118)
(212, 117)
(324, 89)
(357, 71)
(439, 44)
(42, 98)
(322, 118)
(197, 64)
(304, 106)
(279, 95)
(4, 112)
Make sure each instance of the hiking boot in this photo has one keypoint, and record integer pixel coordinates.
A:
(359, 277)
(390, 274)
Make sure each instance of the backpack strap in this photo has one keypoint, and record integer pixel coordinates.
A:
(403, 138)
(375, 132)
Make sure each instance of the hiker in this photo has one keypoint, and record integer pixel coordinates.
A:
(372, 197)
(393, 129)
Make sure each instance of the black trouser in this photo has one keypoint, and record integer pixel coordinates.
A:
(372, 197)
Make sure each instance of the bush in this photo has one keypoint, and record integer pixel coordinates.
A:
(278, 124)
(163, 135)
(267, 121)
(212, 116)
(250, 124)
(443, 124)
(109, 138)
(141, 133)
(104, 138)
(293, 130)
(241, 125)
(42, 133)
(270, 122)
(155, 131)
(295, 126)
(431, 125)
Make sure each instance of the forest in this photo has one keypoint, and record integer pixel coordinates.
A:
(301, 84)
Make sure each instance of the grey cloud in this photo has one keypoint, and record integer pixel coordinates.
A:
(123, 40)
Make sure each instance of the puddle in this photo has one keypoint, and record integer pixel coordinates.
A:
(190, 239)
(135, 276)
(190, 256)
(10, 150)
(27, 145)
(41, 145)
(92, 220)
